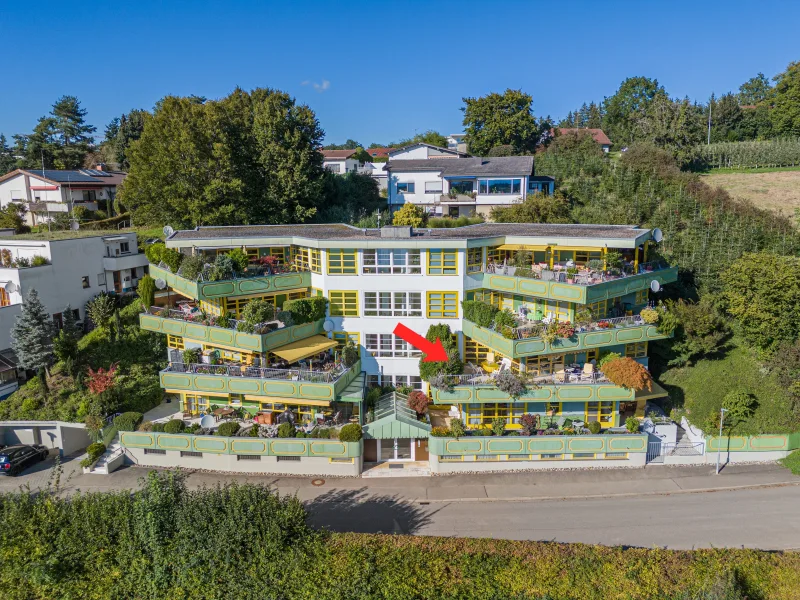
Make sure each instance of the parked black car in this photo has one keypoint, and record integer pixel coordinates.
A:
(14, 459)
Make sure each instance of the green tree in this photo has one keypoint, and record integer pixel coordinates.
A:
(633, 98)
(147, 291)
(122, 132)
(762, 291)
(535, 208)
(726, 118)
(452, 366)
(755, 90)
(699, 330)
(100, 309)
(350, 144)
(7, 161)
(434, 138)
(740, 406)
(13, 217)
(785, 113)
(349, 198)
(499, 119)
(410, 215)
(32, 336)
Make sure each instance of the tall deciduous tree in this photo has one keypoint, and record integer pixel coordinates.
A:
(499, 119)
(754, 90)
(632, 99)
(785, 112)
(249, 158)
(32, 335)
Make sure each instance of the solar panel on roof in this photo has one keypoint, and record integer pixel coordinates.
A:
(94, 173)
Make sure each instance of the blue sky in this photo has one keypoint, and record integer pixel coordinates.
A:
(379, 71)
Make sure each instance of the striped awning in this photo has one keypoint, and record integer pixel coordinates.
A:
(305, 348)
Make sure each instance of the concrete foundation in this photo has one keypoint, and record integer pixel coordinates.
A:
(65, 437)
(303, 465)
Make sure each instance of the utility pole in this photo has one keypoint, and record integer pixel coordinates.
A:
(722, 412)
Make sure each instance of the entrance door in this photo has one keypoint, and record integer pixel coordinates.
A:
(421, 449)
(396, 449)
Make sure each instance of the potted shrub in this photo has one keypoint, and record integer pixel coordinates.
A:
(457, 428)
(594, 427)
(507, 382)
(529, 423)
(571, 273)
(505, 323)
(351, 432)
(632, 425)
(565, 330)
(650, 316)
(498, 426)
(418, 401)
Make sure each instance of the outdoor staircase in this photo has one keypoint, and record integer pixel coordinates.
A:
(111, 460)
(684, 445)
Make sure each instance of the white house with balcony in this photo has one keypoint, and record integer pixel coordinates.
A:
(463, 185)
(344, 161)
(72, 268)
(47, 192)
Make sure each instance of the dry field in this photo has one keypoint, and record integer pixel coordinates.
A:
(778, 191)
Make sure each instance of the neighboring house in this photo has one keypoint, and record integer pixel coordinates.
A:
(462, 185)
(343, 161)
(380, 152)
(79, 265)
(421, 150)
(45, 193)
(375, 278)
(597, 135)
(455, 141)
(379, 174)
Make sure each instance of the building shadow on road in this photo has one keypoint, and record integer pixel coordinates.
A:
(358, 511)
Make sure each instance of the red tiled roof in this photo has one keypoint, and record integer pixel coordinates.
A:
(340, 154)
(379, 152)
(597, 134)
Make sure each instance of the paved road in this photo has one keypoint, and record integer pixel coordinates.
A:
(656, 506)
(757, 518)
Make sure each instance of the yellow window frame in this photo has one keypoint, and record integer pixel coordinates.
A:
(592, 354)
(199, 403)
(642, 297)
(442, 262)
(482, 415)
(599, 309)
(474, 260)
(553, 408)
(636, 350)
(175, 341)
(547, 364)
(343, 303)
(342, 337)
(600, 411)
(279, 253)
(442, 305)
(342, 261)
(252, 254)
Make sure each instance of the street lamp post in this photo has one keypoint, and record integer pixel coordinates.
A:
(722, 412)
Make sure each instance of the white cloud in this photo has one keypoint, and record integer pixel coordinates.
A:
(319, 87)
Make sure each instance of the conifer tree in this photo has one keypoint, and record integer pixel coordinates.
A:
(32, 336)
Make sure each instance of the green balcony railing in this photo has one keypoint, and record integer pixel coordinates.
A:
(537, 444)
(252, 381)
(228, 337)
(213, 444)
(576, 292)
(212, 290)
(627, 333)
(466, 392)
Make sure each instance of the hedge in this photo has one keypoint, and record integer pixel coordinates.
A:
(128, 421)
(478, 312)
(156, 543)
(174, 426)
(306, 310)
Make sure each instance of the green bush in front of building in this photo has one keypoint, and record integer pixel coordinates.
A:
(174, 426)
(128, 421)
(351, 433)
(228, 429)
(286, 430)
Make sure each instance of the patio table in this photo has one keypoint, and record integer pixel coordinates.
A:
(220, 413)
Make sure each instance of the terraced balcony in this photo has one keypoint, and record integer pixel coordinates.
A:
(255, 383)
(176, 322)
(582, 291)
(469, 389)
(527, 341)
(241, 445)
(258, 282)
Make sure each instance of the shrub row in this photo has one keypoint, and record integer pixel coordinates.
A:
(155, 543)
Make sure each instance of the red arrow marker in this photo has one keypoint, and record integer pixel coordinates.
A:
(434, 351)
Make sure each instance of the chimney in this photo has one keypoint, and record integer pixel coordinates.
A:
(101, 167)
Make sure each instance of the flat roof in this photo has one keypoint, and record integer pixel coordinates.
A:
(341, 232)
(54, 236)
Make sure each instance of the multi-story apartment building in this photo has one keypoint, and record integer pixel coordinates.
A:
(375, 279)
(66, 267)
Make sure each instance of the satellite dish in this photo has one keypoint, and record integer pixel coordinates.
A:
(10, 287)
(207, 422)
(658, 235)
(74, 225)
(160, 283)
(168, 231)
(654, 285)
(328, 325)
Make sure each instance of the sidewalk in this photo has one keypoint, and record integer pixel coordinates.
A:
(498, 487)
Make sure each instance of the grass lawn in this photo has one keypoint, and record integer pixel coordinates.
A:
(777, 190)
(701, 388)
(792, 462)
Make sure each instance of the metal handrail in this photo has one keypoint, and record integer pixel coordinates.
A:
(625, 271)
(252, 271)
(179, 315)
(554, 379)
(258, 372)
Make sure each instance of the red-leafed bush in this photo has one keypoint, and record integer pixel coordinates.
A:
(101, 380)
(418, 401)
(628, 373)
